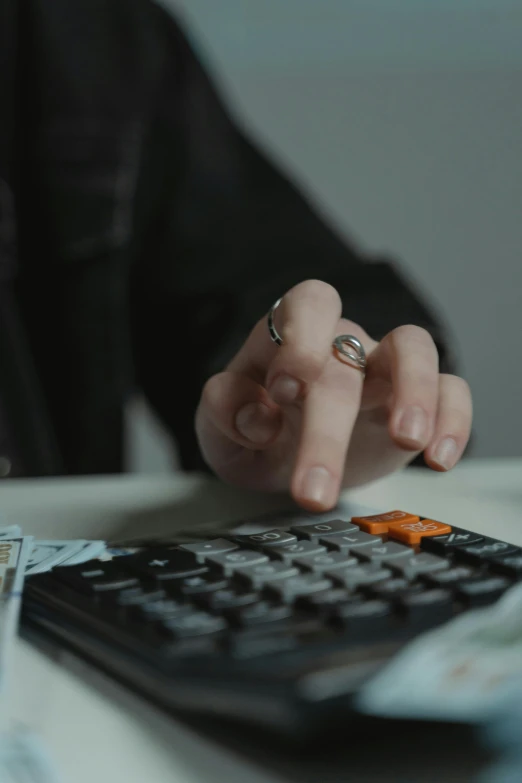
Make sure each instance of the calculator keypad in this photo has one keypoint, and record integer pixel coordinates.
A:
(252, 594)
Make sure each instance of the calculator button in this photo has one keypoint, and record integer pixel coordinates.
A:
(413, 532)
(194, 624)
(254, 642)
(240, 558)
(511, 565)
(325, 602)
(390, 588)
(261, 613)
(227, 599)
(451, 576)
(364, 574)
(164, 564)
(380, 552)
(267, 539)
(203, 549)
(428, 606)
(379, 523)
(486, 549)
(195, 585)
(481, 592)
(414, 566)
(354, 541)
(290, 552)
(443, 545)
(364, 613)
(304, 584)
(321, 529)
(136, 596)
(162, 609)
(259, 575)
(95, 577)
(329, 560)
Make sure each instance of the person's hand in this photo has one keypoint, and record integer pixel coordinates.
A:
(299, 417)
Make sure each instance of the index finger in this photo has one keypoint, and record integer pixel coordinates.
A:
(306, 320)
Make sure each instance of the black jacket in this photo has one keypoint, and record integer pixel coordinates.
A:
(141, 234)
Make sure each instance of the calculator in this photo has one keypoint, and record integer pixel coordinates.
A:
(280, 627)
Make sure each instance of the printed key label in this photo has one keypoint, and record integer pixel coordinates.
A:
(391, 516)
(270, 536)
(420, 527)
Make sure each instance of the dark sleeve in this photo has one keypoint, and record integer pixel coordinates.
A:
(235, 235)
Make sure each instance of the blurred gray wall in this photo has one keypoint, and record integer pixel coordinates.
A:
(405, 121)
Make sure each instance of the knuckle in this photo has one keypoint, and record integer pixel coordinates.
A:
(318, 292)
(304, 359)
(414, 335)
(350, 327)
(212, 390)
(454, 383)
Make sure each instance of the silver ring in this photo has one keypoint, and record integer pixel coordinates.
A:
(357, 356)
(274, 334)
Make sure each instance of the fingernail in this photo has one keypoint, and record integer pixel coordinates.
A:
(284, 389)
(257, 422)
(413, 424)
(319, 487)
(446, 453)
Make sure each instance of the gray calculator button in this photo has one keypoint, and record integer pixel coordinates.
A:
(296, 586)
(264, 573)
(268, 538)
(366, 574)
(215, 546)
(290, 552)
(327, 561)
(240, 558)
(364, 610)
(415, 565)
(357, 539)
(195, 624)
(328, 528)
(389, 551)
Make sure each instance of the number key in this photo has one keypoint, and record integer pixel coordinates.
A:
(290, 552)
(351, 541)
(327, 561)
(414, 566)
(266, 573)
(481, 592)
(240, 558)
(511, 565)
(320, 529)
(388, 551)
(268, 538)
(216, 546)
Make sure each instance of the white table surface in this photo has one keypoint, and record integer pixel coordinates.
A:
(97, 730)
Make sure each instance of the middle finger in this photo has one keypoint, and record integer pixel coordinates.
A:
(330, 410)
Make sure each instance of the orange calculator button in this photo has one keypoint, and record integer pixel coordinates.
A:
(379, 523)
(412, 532)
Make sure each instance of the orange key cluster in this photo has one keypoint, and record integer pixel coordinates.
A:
(400, 525)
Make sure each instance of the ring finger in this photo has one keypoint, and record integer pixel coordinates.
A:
(453, 424)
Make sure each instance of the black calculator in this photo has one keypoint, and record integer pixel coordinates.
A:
(280, 627)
